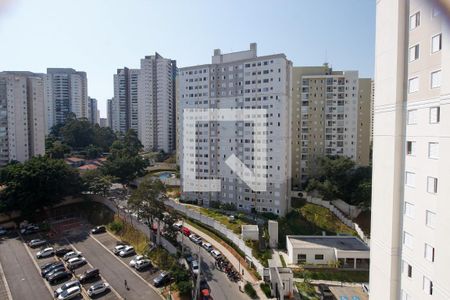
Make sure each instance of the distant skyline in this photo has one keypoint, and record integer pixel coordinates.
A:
(99, 36)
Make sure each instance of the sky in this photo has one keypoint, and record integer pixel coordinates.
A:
(99, 36)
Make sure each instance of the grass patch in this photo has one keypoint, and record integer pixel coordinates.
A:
(307, 290)
(234, 225)
(283, 262)
(265, 287)
(129, 234)
(261, 255)
(250, 291)
(173, 191)
(334, 275)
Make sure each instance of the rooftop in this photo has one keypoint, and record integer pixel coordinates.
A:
(345, 243)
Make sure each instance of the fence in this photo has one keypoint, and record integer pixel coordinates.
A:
(234, 238)
(339, 215)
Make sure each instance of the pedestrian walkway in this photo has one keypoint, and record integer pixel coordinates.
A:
(329, 282)
(4, 289)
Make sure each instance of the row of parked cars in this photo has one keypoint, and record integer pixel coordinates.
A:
(198, 240)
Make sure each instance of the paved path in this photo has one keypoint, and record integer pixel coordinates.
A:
(21, 274)
(5, 293)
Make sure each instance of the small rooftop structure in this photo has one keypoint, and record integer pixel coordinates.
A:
(345, 243)
(250, 232)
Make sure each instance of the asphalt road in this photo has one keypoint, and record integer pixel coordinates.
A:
(21, 274)
(112, 270)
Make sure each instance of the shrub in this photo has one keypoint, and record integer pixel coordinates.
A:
(250, 291)
(184, 287)
(265, 287)
(116, 226)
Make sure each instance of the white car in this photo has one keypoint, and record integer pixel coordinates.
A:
(195, 238)
(45, 252)
(207, 246)
(98, 288)
(128, 250)
(66, 286)
(178, 225)
(76, 262)
(70, 255)
(195, 267)
(216, 254)
(135, 260)
(70, 293)
(118, 248)
(143, 263)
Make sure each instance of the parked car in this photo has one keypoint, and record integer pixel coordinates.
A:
(178, 225)
(47, 265)
(3, 231)
(66, 286)
(127, 251)
(195, 238)
(195, 268)
(54, 271)
(50, 268)
(118, 248)
(76, 262)
(216, 254)
(89, 275)
(207, 246)
(142, 264)
(45, 252)
(98, 288)
(135, 260)
(189, 258)
(185, 231)
(70, 293)
(71, 254)
(204, 290)
(36, 243)
(60, 252)
(325, 292)
(98, 229)
(29, 229)
(162, 279)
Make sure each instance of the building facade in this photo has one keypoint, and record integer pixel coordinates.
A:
(330, 116)
(125, 101)
(66, 92)
(239, 80)
(93, 112)
(109, 112)
(157, 103)
(410, 207)
(22, 116)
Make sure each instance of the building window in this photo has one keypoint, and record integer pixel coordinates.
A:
(408, 240)
(405, 296)
(433, 150)
(410, 148)
(435, 115)
(318, 257)
(412, 116)
(427, 285)
(436, 79)
(414, 20)
(410, 179)
(409, 210)
(414, 53)
(432, 185)
(430, 218)
(413, 85)
(301, 258)
(429, 252)
(407, 269)
(436, 43)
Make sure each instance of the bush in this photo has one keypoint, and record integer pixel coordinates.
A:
(184, 287)
(265, 287)
(115, 226)
(250, 291)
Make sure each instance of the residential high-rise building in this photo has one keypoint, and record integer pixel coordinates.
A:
(109, 108)
(234, 81)
(22, 116)
(93, 113)
(157, 103)
(125, 101)
(66, 92)
(330, 116)
(103, 122)
(411, 155)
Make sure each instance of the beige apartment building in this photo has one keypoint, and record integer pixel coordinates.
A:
(330, 116)
(411, 156)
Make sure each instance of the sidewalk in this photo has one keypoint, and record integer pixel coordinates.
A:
(329, 282)
(233, 260)
(5, 293)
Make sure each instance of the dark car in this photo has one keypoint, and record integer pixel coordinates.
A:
(98, 229)
(60, 252)
(325, 292)
(51, 268)
(204, 290)
(59, 277)
(47, 265)
(162, 279)
(89, 275)
(54, 271)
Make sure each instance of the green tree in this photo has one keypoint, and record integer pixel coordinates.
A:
(77, 133)
(96, 182)
(104, 137)
(56, 149)
(93, 151)
(125, 168)
(38, 183)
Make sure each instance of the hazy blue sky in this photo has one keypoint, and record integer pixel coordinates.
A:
(99, 36)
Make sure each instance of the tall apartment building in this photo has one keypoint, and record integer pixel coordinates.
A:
(93, 112)
(330, 116)
(22, 116)
(125, 101)
(66, 92)
(239, 80)
(157, 103)
(411, 158)
(109, 112)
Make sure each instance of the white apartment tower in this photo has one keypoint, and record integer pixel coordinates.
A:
(240, 80)
(93, 112)
(157, 103)
(125, 101)
(410, 246)
(22, 116)
(66, 92)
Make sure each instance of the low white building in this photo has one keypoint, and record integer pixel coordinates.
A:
(347, 251)
(250, 232)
